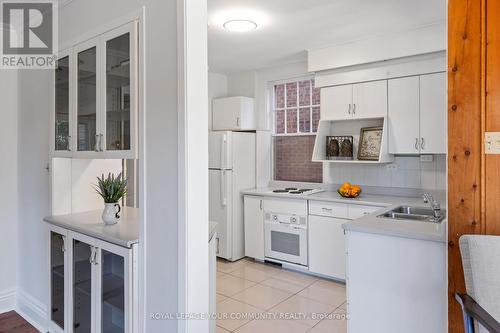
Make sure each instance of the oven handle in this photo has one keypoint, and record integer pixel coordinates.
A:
(287, 225)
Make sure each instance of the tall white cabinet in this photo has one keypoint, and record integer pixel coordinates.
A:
(96, 97)
(417, 114)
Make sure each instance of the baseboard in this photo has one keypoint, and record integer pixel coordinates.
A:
(7, 300)
(32, 310)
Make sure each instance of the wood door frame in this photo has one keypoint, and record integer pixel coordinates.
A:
(466, 126)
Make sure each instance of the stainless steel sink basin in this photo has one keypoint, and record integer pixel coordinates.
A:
(413, 214)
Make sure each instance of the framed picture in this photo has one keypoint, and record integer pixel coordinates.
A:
(370, 140)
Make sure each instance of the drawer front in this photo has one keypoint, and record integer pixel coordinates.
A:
(329, 209)
(286, 206)
(357, 211)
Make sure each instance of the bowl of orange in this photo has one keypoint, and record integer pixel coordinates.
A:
(349, 191)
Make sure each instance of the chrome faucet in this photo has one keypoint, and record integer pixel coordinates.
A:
(436, 207)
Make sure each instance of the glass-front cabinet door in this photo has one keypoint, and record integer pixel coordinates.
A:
(113, 295)
(62, 143)
(87, 125)
(112, 292)
(120, 98)
(57, 278)
(82, 286)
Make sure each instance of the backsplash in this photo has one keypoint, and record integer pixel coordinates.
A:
(404, 172)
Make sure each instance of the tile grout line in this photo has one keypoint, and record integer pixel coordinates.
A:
(281, 279)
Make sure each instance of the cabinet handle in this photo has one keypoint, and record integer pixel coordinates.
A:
(100, 142)
(422, 144)
(96, 146)
(95, 256)
(64, 244)
(238, 122)
(91, 258)
(326, 209)
(261, 205)
(416, 143)
(354, 109)
(217, 245)
(349, 110)
(69, 143)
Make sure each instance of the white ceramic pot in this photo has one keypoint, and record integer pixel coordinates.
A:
(111, 213)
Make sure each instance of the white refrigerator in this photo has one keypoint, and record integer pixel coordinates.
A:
(231, 170)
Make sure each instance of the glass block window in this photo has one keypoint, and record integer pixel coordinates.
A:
(296, 107)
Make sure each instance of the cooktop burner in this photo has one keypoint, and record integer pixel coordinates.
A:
(296, 191)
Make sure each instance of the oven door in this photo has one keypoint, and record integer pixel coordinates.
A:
(286, 242)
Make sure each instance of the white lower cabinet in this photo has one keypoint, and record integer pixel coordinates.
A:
(254, 227)
(92, 284)
(327, 246)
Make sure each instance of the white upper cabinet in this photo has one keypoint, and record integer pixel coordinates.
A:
(369, 99)
(417, 114)
(336, 102)
(433, 124)
(360, 100)
(96, 97)
(233, 114)
(404, 115)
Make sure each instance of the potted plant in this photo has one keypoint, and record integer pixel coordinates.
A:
(111, 189)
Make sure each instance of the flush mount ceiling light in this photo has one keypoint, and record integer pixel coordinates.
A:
(240, 25)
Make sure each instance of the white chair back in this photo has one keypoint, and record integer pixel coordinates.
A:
(481, 262)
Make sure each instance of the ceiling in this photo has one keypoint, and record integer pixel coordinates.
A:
(289, 27)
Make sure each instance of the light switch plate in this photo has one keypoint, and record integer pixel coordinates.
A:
(492, 142)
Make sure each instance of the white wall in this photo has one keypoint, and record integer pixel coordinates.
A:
(241, 84)
(9, 193)
(34, 194)
(217, 87)
(193, 191)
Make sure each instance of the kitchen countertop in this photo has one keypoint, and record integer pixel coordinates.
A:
(371, 223)
(124, 233)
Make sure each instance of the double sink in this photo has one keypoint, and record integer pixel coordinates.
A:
(411, 213)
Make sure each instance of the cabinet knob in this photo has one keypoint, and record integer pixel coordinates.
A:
(96, 145)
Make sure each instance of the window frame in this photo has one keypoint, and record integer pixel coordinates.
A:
(297, 79)
(271, 102)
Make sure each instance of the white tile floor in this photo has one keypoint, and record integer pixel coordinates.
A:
(256, 297)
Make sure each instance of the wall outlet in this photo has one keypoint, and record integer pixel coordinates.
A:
(392, 166)
(426, 158)
(492, 142)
